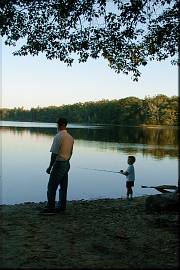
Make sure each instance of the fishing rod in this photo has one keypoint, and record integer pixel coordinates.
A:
(101, 170)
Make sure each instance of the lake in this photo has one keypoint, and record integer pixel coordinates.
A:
(25, 156)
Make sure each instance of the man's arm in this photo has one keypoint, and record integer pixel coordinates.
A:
(53, 158)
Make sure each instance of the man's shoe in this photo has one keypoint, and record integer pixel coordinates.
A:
(48, 211)
(60, 210)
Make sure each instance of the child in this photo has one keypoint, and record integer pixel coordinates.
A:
(130, 176)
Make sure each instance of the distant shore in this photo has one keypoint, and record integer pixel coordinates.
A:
(132, 111)
(104, 233)
(93, 124)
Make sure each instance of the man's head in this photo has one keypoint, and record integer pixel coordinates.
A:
(131, 160)
(62, 123)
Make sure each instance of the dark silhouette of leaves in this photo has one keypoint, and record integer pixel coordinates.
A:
(127, 34)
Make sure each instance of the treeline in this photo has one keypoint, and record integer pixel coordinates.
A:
(157, 110)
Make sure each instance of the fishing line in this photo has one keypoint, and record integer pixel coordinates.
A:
(101, 170)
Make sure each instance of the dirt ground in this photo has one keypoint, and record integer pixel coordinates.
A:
(105, 233)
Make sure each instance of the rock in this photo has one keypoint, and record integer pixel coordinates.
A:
(162, 202)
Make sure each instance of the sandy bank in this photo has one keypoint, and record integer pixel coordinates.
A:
(106, 233)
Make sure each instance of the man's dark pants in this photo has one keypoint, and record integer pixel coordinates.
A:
(58, 177)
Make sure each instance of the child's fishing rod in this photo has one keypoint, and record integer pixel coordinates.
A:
(101, 170)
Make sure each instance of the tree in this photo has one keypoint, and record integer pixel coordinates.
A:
(127, 33)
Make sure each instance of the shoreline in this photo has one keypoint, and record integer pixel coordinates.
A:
(79, 200)
(92, 124)
(101, 233)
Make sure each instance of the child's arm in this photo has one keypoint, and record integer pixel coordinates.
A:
(125, 173)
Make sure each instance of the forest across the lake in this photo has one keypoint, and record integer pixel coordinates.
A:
(156, 110)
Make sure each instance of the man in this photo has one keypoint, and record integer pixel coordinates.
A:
(61, 152)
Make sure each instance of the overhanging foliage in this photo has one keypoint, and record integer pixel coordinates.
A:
(127, 33)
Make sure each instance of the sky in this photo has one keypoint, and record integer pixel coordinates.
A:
(29, 81)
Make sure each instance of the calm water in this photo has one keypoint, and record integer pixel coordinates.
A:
(25, 157)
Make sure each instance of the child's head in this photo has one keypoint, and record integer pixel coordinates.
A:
(131, 160)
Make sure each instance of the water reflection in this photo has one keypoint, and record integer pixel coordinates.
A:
(157, 142)
(25, 157)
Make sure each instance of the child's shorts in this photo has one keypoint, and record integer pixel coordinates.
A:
(129, 184)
